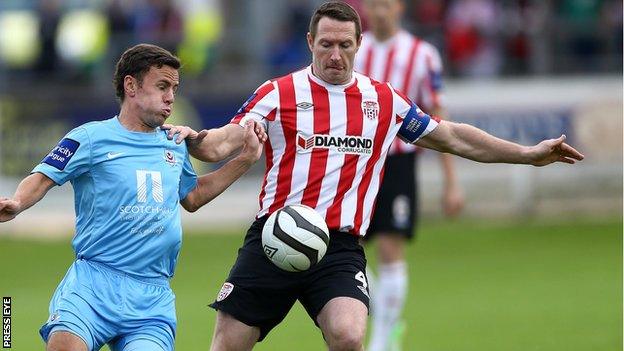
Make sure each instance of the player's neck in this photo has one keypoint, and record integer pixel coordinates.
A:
(130, 120)
(383, 35)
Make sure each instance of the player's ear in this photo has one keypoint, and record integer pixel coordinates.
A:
(310, 40)
(130, 85)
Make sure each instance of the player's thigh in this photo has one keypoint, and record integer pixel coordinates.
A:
(232, 334)
(343, 322)
(65, 341)
(341, 273)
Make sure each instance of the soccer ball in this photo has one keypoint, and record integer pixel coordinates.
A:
(295, 238)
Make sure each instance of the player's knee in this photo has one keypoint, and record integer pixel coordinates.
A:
(346, 342)
(345, 339)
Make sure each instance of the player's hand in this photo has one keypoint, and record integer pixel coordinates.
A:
(452, 200)
(553, 150)
(193, 138)
(9, 209)
(252, 146)
(260, 132)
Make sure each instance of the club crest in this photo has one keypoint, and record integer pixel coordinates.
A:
(370, 109)
(170, 157)
(226, 290)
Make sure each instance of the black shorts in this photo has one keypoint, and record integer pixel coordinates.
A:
(260, 294)
(395, 209)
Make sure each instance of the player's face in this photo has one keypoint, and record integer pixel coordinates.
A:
(333, 50)
(383, 15)
(156, 94)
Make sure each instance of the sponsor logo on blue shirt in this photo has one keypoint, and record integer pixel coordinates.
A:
(61, 154)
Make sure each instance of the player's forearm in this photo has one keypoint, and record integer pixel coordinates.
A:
(214, 183)
(31, 190)
(472, 143)
(219, 144)
(477, 145)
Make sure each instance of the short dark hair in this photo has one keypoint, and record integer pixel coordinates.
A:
(137, 61)
(337, 10)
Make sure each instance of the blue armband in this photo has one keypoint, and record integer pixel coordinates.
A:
(414, 124)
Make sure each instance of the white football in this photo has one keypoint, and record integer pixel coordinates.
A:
(295, 238)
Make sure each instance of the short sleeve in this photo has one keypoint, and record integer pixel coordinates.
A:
(402, 104)
(259, 106)
(188, 178)
(69, 159)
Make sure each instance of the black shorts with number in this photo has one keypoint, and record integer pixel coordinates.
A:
(260, 294)
(395, 209)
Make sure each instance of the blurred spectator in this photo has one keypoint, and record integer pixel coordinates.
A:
(158, 22)
(429, 13)
(472, 44)
(428, 17)
(49, 12)
(287, 50)
(203, 27)
(525, 39)
(581, 19)
(612, 19)
(120, 21)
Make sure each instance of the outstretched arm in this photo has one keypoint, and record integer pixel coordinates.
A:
(32, 189)
(472, 143)
(213, 145)
(212, 184)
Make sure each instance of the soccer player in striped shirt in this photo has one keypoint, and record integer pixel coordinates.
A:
(391, 54)
(329, 131)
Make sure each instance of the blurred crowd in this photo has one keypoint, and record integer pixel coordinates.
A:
(485, 38)
(56, 37)
(477, 38)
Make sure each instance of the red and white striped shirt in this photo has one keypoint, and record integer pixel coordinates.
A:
(410, 64)
(328, 143)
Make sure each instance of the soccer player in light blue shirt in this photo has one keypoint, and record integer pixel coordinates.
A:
(128, 181)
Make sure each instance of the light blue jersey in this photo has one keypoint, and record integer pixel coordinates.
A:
(127, 187)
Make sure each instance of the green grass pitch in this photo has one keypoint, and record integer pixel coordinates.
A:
(474, 285)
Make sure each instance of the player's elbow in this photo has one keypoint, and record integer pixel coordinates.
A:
(189, 204)
(192, 209)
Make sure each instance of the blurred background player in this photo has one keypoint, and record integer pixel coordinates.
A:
(391, 54)
(129, 181)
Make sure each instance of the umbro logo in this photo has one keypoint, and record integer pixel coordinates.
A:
(112, 155)
(304, 105)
